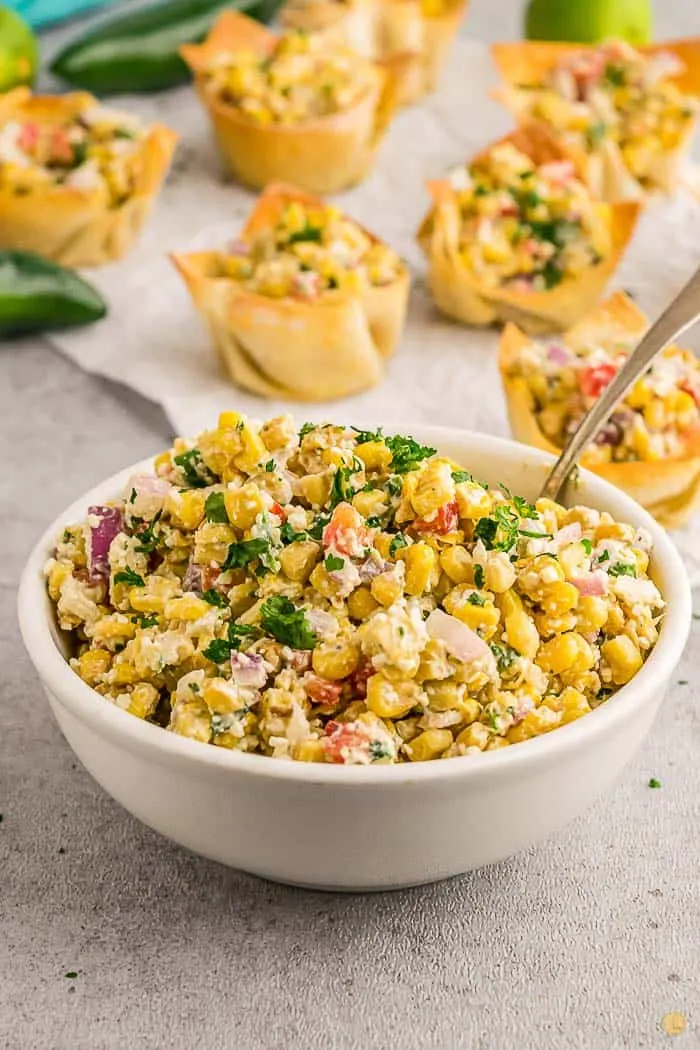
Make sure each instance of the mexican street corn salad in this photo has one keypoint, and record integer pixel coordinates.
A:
(93, 149)
(658, 419)
(614, 93)
(525, 227)
(304, 77)
(334, 595)
(312, 249)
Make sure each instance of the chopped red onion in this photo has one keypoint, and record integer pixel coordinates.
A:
(100, 538)
(558, 355)
(248, 670)
(594, 585)
(192, 580)
(460, 641)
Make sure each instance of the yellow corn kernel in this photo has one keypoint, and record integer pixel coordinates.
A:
(361, 604)
(481, 618)
(123, 674)
(456, 562)
(571, 559)
(58, 574)
(186, 509)
(386, 588)
(499, 574)
(143, 700)
(421, 568)
(211, 543)
(315, 489)
(473, 501)
(549, 625)
(434, 488)
(191, 718)
(278, 432)
(298, 559)
(428, 745)
(220, 696)
(592, 613)
(374, 454)
(655, 414)
(475, 735)
(521, 633)
(573, 705)
(444, 696)
(243, 505)
(113, 632)
(335, 661)
(322, 582)
(640, 395)
(252, 452)
(623, 658)
(559, 598)
(382, 543)
(542, 720)
(163, 463)
(370, 504)
(391, 699)
(153, 597)
(566, 652)
(496, 743)
(309, 751)
(187, 608)
(93, 664)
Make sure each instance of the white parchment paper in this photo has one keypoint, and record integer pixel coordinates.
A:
(154, 342)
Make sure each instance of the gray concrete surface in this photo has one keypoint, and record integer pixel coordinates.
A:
(584, 943)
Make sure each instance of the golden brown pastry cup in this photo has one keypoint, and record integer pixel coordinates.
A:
(463, 297)
(291, 348)
(72, 226)
(668, 488)
(525, 64)
(323, 155)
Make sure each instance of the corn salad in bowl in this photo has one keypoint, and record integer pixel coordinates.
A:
(339, 596)
(650, 446)
(77, 179)
(627, 116)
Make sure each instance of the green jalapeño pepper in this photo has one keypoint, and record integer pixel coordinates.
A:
(139, 51)
(36, 294)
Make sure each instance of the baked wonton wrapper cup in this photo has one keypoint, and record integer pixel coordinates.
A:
(603, 168)
(323, 155)
(72, 226)
(292, 348)
(459, 294)
(668, 488)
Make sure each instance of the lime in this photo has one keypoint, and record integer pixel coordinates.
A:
(589, 21)
(19, 53)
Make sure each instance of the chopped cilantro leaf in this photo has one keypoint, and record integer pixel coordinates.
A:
(587, 546)
(316, 530)
(394, 486)
(215, 598)
(499, 533)
(66, 535)
(72, 974)
(378, 751)
(308, 233)
(195, 470)
(281, 618)
(524, 508)
(614, 74)
(595, 132)
(148, 538)
(129, 577)
(654, 783)
(374, 522)
(505, 656)
(341, 489)
(398, 541)
(479, 576)
(621, 568)
(289, 535)
(604, 556)
(241, 554)
(218, 651)
(535, 535)
(145, 620)
(364, 436)
(551, 275)
(305, 429)
(215, 508)
(238, 631)
(458, 476)
(476, 599)
(333, 563)
(270, 466)
(406, 453)
(132, 496)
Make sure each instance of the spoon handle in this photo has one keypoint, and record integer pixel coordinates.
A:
(683, 312)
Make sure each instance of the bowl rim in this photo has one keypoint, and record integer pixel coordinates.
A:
(124, 729)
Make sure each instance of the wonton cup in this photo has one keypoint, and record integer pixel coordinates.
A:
(317, 350)
(668, 488)
(73, 226)
(394, 31)
(462, 296)
(323, 154)
(525, 64)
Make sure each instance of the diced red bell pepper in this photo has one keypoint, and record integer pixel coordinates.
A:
(593, 380)
(446, 520)
(322, 690)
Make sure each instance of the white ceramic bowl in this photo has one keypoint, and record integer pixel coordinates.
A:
(374, 827)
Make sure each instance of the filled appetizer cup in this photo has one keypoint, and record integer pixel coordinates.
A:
(626, 117)
(650, 447)
(415, 35)
(296, 107)
(77, 180)
(515, 235)
(342, 596)
(306, 304)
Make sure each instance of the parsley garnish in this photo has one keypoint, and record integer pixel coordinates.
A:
(132, 496)
(364, 436)
(621, 568)
(144, 620)
(458, 476)
(499, 533)
(479, 577)
(334, 564)
(148, 540)
(241, 554)
(614, 74)
(398, 541)
(587, 546)
(215, 508)
(308, 233)
(129, 577)
(654, 783)
(595, 133)
(66, 535)
(341, 489)
(604, 556)
(289, 535)
(374, 522)
(305, 429)
(72, 974)
(281, 618)
(195, 470)
(316, 530)
(378, 750)
(219, 650)
(505, 656)
(406, 453)
(394, 486)
(524, 508)
(270, 466)
(215, 598)
(551, 275)
(476, 599)
(535, 535)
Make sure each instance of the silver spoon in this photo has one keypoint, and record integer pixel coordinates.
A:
(683, 312)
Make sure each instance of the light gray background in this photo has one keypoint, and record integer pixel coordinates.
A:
(583, 943)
